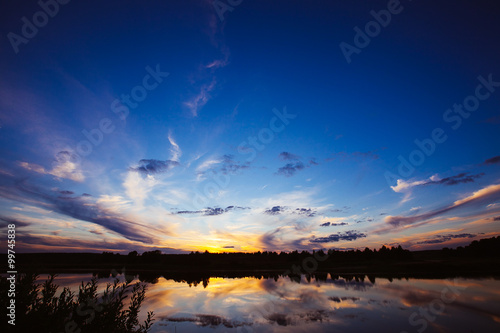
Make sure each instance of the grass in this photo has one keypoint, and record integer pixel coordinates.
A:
(40, 308)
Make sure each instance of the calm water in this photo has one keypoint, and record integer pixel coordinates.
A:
(334, 305)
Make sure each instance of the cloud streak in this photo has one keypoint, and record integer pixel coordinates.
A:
(83, 208)
(461, 178)
(482, 196)
(349, 236)
(198, 101)
(63, 168)
(493, 160)
(175, 150)
(438, 239)
(211, 211)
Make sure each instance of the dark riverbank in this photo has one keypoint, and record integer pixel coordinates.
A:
(479, 259)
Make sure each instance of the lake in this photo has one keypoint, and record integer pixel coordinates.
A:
(336, 304)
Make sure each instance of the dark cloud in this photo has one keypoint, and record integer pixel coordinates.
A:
(297, 211)
(493, 160)
(286, 156)
(152, 167)
(66, 192)
(344, 298)
(86, 195)
(457, 179)
(438, 239)
(352, 284)
(205, 320)
(279, 318)
(340, 210)
(230, 166)
(305, 211)
(496, 218)
(290, 169)
(333, 224)
(295, 164)
(345, 236)
(313, 162)
(5, 221)
(211, 211)
(275, 210)
(365, 219)
(228, 247)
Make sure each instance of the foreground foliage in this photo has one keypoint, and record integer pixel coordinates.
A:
(40, 309)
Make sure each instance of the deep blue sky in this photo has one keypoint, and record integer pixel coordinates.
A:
(179, 171)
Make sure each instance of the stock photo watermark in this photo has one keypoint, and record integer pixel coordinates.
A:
(12, 272)
(309, 265)
(372, 29)
(453, 116)
(252, 145)
(420, 320)
(121, 108)
(30, 28)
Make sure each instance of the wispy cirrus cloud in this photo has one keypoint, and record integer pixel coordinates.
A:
(175, 150)
(226, 164)
(83, 208)
(195, 103)
(30, 242)
(478, 198)
(62, 168)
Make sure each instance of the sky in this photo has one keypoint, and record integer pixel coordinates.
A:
(241, 126)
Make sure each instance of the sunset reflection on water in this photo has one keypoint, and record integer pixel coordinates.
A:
(331, 305)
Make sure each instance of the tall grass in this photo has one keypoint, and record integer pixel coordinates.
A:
(40, 308)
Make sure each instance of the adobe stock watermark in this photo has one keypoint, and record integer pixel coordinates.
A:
(372, 29)
(309, 266)
(420, 320)
(121, 108)
(250, 146)
(454, 116)
(29, 28)
(221, 7)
